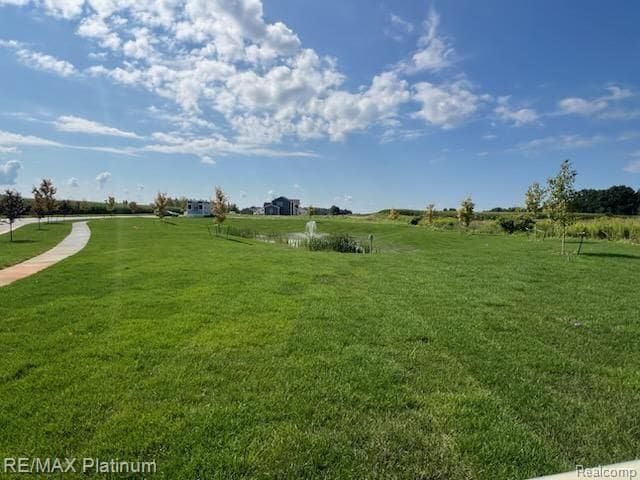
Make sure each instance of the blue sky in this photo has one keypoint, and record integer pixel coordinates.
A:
(365, 105)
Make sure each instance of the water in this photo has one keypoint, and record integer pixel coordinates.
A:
(310, 229)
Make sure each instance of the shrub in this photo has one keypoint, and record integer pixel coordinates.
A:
(338, 242)
(415, 220)
(521, 223)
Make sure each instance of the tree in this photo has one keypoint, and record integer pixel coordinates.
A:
(219, 206)
(429, 213)
(311, 211)
(334, 210)
(11, 206)
(133, 206)
(560, 194)
(533, 199)
(65, 208)
(111, 204)
(38, 207)
(393, 214)
(160, 204)
(48, 191)
(465, 212)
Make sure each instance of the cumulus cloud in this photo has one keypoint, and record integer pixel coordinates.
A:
(69, 123)
(446, 106)
(9, 172)
(73, 182)
(102, 178)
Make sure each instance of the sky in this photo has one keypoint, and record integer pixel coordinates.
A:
(363, 104)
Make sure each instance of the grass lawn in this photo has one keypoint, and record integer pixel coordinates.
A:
(29, 241)
(444, 356)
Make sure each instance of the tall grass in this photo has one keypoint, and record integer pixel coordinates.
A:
(604, 228)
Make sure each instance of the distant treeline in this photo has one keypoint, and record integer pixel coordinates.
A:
(82, 207)
(616, 200)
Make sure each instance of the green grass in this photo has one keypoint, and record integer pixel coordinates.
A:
(444, 356)
(29, 241)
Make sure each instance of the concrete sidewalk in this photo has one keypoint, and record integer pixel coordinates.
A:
(21, 222)
(72, 244)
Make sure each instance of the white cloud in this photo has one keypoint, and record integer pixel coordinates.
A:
(13, 139)
(489, 136)
(561, 142)
(207, 160)
(398, 28)
(39, 60)
(633, 167)
(582, 106)
(434, 51)
(9, 172)
(4, 150)
(140, 187)
(102, 178)
(446, 106)
(69, 123)
(517, 116)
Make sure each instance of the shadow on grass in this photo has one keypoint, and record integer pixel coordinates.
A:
(612, 255)
(244, 242)
(23, 241)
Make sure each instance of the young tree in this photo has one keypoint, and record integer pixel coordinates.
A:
(465, 212)
(560, 193)
(311, 211)
(48, 191)
(11, 206)
(429, 213)
(533, 199)
(219, 206)
(39, 207)
(111, 204)
(160, 205)
(393, 214)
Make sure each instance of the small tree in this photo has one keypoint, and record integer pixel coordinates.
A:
(48, 191)
(111, 204)
(465, 212)
(133, 206)
(393, 214)
(219, 206)
(160, 205)
(429, 213)
(11, 206)
(39, 207)
(311, 211)
(533, 199)
(560, 193)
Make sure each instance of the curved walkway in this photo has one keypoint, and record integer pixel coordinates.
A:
(72, 244)
(21, 222)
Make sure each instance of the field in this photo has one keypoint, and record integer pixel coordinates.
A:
(29, 241)
(443, 356)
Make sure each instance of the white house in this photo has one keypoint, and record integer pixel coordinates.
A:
(198, 208)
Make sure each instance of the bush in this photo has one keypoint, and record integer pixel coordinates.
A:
(516, 224)
(415, 220)
(338, 242)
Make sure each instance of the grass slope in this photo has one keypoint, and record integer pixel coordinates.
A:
(29, 241)
(444, 356)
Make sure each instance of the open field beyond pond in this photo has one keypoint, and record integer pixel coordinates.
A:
(445, 355)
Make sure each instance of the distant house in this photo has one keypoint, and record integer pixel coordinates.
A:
(198, 208)
(282, 206)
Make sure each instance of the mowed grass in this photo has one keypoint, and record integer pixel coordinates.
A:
(29, 241)
(444, 356)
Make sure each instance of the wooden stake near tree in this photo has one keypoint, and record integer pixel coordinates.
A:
(560, 193)
(11, 206)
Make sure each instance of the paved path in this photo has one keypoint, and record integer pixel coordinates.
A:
(21, 222)
(72, 244)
